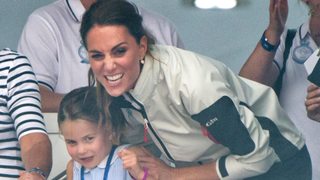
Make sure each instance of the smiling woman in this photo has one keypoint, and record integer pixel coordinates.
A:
(205, 119)
(116, 63)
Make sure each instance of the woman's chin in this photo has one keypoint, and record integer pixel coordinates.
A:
(115, 93)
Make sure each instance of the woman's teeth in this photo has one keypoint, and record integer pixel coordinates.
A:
(114, 79)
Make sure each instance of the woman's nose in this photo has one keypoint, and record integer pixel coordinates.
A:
(109, 63)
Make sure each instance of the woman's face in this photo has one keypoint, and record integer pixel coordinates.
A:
(114, 57)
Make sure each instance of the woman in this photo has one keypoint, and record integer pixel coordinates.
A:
(264, 66)
(209, 122)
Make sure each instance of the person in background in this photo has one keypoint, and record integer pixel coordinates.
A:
(312, 102)
(206, 120)
(25, 149)
(267, 61)
(51, 41)
(92, 143)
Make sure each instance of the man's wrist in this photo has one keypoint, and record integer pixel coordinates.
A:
(266, 45)
(38, 172)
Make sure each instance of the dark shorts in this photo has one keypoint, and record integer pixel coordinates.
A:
(296, 168)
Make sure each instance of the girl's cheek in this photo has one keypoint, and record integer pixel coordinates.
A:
(71, 151)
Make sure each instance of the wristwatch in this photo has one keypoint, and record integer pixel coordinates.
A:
(266, 45)
(39, 171)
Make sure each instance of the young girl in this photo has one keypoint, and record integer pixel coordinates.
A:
(91, 141)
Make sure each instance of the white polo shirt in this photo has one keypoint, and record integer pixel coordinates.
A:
(52, 42)
(294, 90)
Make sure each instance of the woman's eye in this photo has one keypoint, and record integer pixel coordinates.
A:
(96, 56)
(120, 51)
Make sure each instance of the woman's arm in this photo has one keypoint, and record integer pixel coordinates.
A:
(161, 171)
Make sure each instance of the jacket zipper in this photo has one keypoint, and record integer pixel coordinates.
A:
(147, 126)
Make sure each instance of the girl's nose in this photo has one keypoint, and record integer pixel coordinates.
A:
(82, 149)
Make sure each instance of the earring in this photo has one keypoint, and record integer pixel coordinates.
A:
(142, 61)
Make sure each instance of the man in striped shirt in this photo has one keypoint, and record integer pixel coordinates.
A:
(24, 143)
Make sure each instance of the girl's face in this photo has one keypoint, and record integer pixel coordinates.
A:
(115, 57)
(86, 143)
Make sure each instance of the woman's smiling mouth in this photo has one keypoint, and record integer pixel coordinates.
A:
(114, 79)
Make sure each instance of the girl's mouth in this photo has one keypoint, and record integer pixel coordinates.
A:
(87, 159)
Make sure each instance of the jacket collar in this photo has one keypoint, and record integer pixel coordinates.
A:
(149, 76)
(76, 9)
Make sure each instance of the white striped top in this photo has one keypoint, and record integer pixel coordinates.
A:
(20, 110)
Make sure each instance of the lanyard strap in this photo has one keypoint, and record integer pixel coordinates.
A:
(106, 171)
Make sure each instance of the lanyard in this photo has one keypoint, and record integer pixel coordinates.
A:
(106, 171)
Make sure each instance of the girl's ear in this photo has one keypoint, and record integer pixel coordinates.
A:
(143, 47)
(111, 136)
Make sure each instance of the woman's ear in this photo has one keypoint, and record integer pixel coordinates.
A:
(143, 46)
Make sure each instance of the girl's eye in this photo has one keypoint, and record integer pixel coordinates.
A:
(71, 142)
(89, 138)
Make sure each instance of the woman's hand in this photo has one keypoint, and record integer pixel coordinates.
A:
(278, 10)
(157, 168)
(312, 102)
(130, 163)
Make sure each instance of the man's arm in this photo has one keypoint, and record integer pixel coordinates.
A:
(36, 152)
(50, 101)
(259, 66)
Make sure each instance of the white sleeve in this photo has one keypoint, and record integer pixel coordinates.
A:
(213, 96)
(38, 43)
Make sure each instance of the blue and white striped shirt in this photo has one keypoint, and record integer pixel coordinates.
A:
(20, 110)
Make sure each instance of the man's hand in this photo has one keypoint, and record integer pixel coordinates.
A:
(312, 102)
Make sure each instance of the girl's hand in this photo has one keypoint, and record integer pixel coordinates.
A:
(130, 163)
(312, 102)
